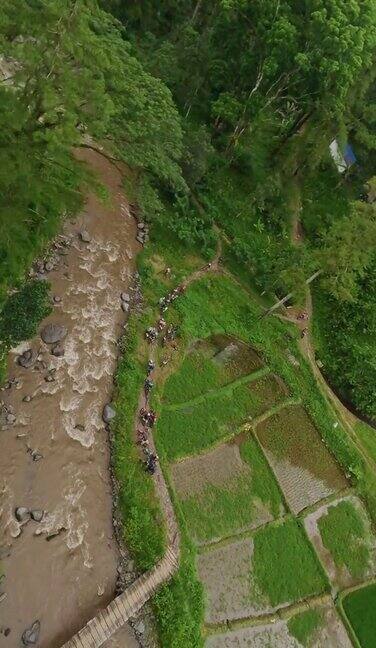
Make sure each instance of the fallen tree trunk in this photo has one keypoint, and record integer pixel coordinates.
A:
(287, 297)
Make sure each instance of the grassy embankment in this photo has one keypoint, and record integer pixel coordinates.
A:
(178, 605)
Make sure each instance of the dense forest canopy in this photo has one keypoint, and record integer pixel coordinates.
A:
(224, 110)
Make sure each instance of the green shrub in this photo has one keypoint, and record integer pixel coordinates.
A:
(22, 312)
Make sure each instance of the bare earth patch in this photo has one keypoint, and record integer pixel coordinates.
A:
(301, 462)
(221, 466)
(339, 577)
(275, 635)
(238, 358)
(226, 576)
(331, 633)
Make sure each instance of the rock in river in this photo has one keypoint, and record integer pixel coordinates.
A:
(31, 635)
(57, 350)
(27, 359)
(108, 413)
(37, 515)
(53, 333)
(85, 236)
(22, 514)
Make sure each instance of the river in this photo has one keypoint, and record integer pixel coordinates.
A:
(62, 580)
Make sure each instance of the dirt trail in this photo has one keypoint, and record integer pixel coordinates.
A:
(64, 581)
(306, 345)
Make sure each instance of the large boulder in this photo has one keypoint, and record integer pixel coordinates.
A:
(31, 635)
(22, 514)
(37, 515)
(85, 236)
(53, 333)
(58, 350)
(108, 413)
(27, 359)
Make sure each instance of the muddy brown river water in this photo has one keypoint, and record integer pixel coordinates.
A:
(65, 580)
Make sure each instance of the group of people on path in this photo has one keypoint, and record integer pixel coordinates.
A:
(152, 334)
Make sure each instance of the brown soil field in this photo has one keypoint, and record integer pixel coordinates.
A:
(218, 467)
(226, 576)
(301, 462)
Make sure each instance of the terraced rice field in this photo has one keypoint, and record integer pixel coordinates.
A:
(225, 573)
(227, 490)
(266, 392)
(209, 365)
(359, 607)
(257, 575)
(305, 469)
(239, 488)
(201, 407)
(318, 627)
(342, 536)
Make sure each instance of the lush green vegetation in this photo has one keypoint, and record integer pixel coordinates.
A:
(303, 626)
(179, 605)
(345, 343)
(69, 71)
(262, 89)
(221, 511)
(284, 565)
(345, 534)
(223, 111)
(359, 607)
(144, 532)
(22, 311)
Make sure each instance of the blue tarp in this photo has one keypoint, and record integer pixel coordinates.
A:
(349, 155)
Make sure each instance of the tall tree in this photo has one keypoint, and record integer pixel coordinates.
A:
(67, 70)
